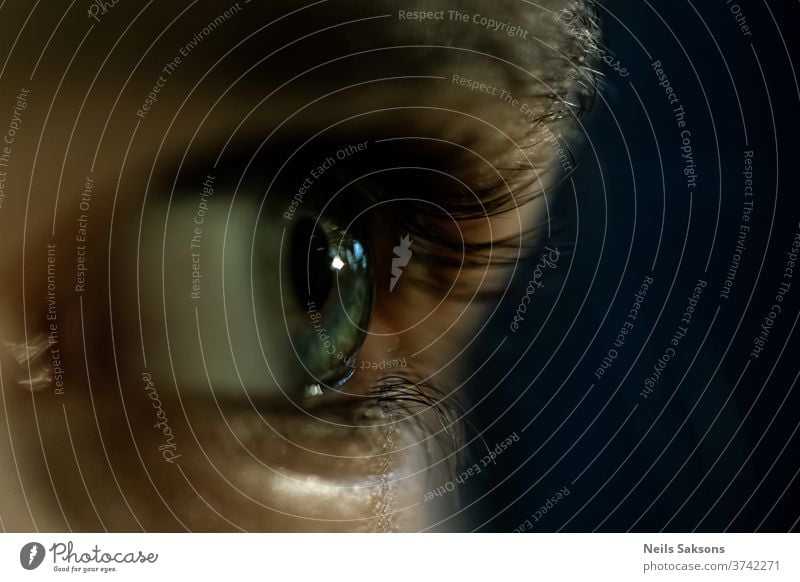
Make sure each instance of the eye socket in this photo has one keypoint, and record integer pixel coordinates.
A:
(275, 310)
(330, 278)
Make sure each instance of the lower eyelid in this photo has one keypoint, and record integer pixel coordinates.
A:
(434, 412)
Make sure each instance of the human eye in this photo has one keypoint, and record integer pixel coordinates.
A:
(288, 311)
(282, 284)
(284, 258)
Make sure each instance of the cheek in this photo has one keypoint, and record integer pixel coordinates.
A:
(167, 465)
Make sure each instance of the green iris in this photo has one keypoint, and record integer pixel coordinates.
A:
(331, 282)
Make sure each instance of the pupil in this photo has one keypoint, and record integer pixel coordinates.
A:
(311, 264)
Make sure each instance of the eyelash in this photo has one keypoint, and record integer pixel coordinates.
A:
(443, 255)
(400, 395)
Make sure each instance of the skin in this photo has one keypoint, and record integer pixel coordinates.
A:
(95, 454)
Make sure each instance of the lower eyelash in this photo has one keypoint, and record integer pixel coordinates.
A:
(399, 395)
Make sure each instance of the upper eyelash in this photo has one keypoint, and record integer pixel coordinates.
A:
(442, 256)
(500, 194)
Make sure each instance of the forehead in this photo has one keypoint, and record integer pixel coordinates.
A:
(239, 54)
(161, 76)
(290, 36)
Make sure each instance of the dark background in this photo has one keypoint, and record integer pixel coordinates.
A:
(715, 446)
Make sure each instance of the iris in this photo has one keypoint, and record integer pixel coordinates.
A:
(331, 279)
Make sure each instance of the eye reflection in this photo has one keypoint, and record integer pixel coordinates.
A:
(310, 264)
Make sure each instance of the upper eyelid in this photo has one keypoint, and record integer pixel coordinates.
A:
(489, 201)
(228, 155)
